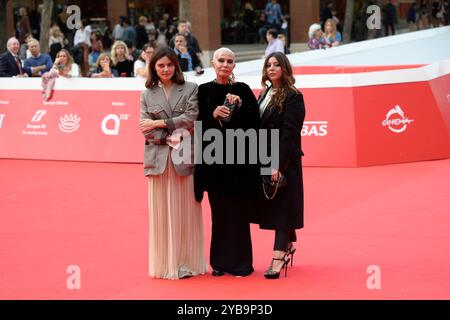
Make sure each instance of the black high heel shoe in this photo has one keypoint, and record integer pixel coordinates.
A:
(272, 274)
(290, 252)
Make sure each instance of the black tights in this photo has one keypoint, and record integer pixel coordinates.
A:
(283, 238)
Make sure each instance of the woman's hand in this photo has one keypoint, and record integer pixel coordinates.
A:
(275, 175)
(232, 99)
(221, 111)
(105, 67)
(148, 125)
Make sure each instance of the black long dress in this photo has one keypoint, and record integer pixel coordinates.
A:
(232, 188)
(285, 210)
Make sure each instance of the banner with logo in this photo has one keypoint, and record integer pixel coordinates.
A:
(74, 125)
(349, 124)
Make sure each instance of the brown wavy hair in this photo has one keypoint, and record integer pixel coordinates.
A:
(287, 80)
(153, 78)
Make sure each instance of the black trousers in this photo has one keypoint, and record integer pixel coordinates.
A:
(282, 239)
(231, 244)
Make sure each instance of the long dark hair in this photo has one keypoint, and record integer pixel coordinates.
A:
(287, 79)
(153, 78)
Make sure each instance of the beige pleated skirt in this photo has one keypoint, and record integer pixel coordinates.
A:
(176, 227)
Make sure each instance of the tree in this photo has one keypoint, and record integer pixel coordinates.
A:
(185, 10)
(348, 20)
(46, 18)
(3, 24)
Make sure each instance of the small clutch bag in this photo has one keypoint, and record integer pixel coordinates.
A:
(270, 188)
(232, 107)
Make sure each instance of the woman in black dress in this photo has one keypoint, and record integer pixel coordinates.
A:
(231, 188)
(281, 107)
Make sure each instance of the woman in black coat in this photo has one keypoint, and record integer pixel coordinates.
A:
(282, 108)
(232, 187)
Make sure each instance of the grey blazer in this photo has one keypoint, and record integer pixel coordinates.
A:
(180, 112)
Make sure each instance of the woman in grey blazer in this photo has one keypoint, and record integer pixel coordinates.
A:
(169, 108)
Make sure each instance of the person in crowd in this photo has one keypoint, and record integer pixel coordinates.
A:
(249, 18)
(283, 39)
(262, 27)
(316, 39)
(63, 67)
(24, 25)
(273, 43)
(423, 21)
(280, 205)
(133, 53)
(332, 37)
(274, 14)
(186, 56)
(118, 30)
(191, 40)
(142, 64)
(390, 18)
(55, 40)
(141, 32)
(119, 57)
(82, 40)
(39, 63)
(176, 232)
(103, 67)
(10, 63)
(24, 52)
(231, 187)
(411, 16)
(129, 33)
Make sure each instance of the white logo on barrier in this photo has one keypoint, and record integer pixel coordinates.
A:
(69, 123)
(34, 127)
(116, 120)
(2, 116)
(38, 115)
(396, 120)
(315, 128)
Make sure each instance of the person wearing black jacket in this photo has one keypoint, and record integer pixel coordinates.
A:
(10, 64)
(231, 187)
(280, 208)
(186, 56)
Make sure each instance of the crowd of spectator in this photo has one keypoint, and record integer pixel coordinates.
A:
(124, 51)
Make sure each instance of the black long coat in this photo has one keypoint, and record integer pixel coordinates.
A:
(285, 210)
(233, 179)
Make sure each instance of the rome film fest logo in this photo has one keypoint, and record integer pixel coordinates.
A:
(396, 120)
(69, 123)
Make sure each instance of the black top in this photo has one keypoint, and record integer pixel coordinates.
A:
(124, 68)
(285, 210)
(237, 179)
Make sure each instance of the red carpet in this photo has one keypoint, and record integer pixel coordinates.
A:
(94, 215)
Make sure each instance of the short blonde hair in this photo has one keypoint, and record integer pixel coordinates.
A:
(223, 49)
(113, 51)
